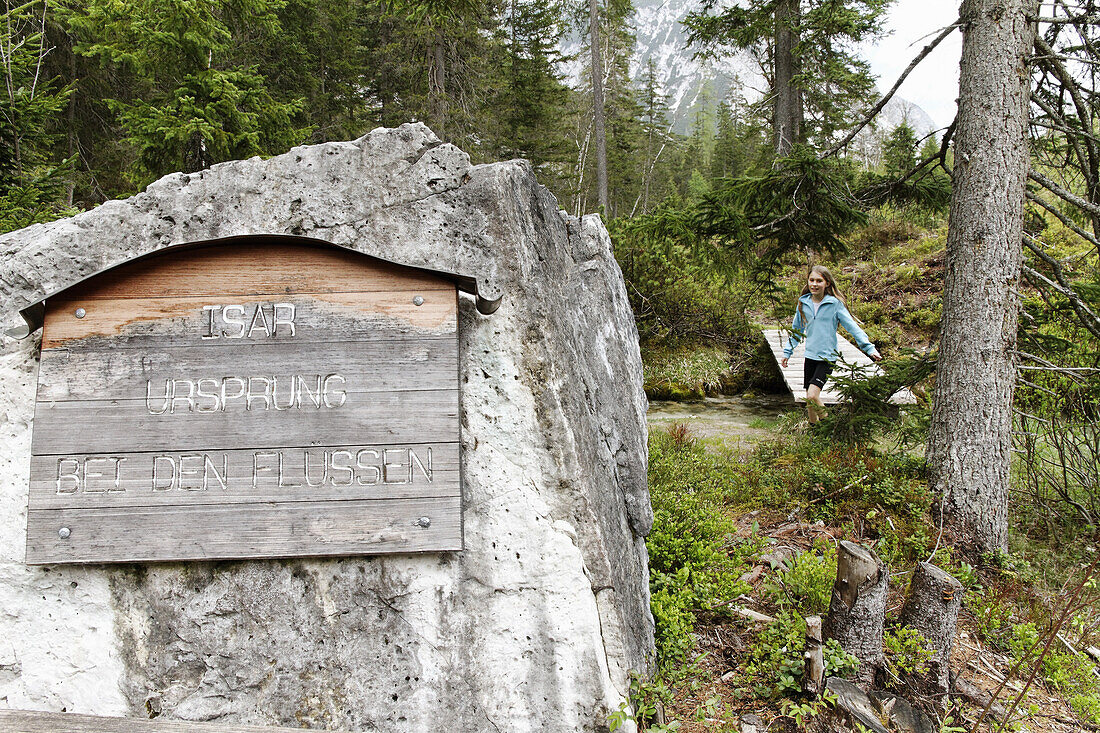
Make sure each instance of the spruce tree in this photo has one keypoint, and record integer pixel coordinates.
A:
(741, 145)
(191, 104)
(659, 142)
(899, 153)
(529, 104)
(30, 179)
(806, 49)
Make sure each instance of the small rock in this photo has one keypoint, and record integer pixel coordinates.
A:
(753, 575)
(753, 615)
(751, 723)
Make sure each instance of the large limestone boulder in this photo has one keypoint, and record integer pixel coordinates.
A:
(534, 626)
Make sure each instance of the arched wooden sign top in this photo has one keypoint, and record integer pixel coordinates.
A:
(262, 398)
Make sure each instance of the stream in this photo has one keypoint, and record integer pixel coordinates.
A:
(725, 416)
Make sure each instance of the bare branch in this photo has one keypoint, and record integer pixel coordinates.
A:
(1062, 193)
(1087, 317)
(1066, 221)
(1068, 83)
(886, 97)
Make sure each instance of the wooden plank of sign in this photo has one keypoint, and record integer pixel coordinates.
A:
(111, 426)
(323, 316)
(253, 269)
(336, 473)
(35, 721)
(324, 528)
(108, 373)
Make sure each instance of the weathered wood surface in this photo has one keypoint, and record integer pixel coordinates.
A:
(203, 402)
(857, 608)
(391, 365)
(813, 671)
(253, 269)
(145, 322)
(112, 426)
(34, 721)
(932, 607)
(219, 532)
(245, 476)
(850, 357)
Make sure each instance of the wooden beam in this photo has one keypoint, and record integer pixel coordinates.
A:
(237, 531)
(34, 721)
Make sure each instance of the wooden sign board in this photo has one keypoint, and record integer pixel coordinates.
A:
(261, 399)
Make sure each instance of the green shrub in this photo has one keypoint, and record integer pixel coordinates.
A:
(776, 663)
(807, 584)
(839, 663)
(775, 659)
(692, 565)
(907, 651)
(671, 600)
(685, 373)
(1087, 706)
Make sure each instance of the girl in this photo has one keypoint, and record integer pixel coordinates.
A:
(819, 310)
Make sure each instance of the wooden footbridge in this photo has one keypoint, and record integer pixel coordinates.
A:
(850, 358)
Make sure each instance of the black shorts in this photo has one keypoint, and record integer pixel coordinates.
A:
(816, 372)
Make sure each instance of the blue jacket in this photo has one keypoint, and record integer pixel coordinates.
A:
(820, 329)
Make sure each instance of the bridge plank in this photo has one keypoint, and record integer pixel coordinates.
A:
(850, 357)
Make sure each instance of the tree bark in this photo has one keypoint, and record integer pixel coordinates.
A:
(787, 111)
(932, 608)
(971, 433)
(437, 87)
(858, 607)
(598, 104)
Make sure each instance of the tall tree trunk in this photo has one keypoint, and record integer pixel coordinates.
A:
(787, 110)
(437, 88)
(970, 441)
(597, 103)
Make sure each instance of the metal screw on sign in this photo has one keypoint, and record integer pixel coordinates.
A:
(80, 312)
(418, 300)
(64, 533)
(424, 522)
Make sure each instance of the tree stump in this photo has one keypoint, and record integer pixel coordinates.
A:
(858, 607)
(813, 674)
(932, 608)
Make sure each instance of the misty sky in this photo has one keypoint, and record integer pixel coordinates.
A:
(934, 84)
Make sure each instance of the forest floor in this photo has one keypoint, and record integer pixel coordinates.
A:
(720, 681)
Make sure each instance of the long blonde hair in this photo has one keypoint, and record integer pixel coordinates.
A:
(831, 288)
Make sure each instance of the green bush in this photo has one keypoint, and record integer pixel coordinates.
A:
(677, 296)
(907, 651)
(807, 584)
(685, 373)
(776, 663)
(691, 562)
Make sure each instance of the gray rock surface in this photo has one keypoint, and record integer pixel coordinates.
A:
(533, 627)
